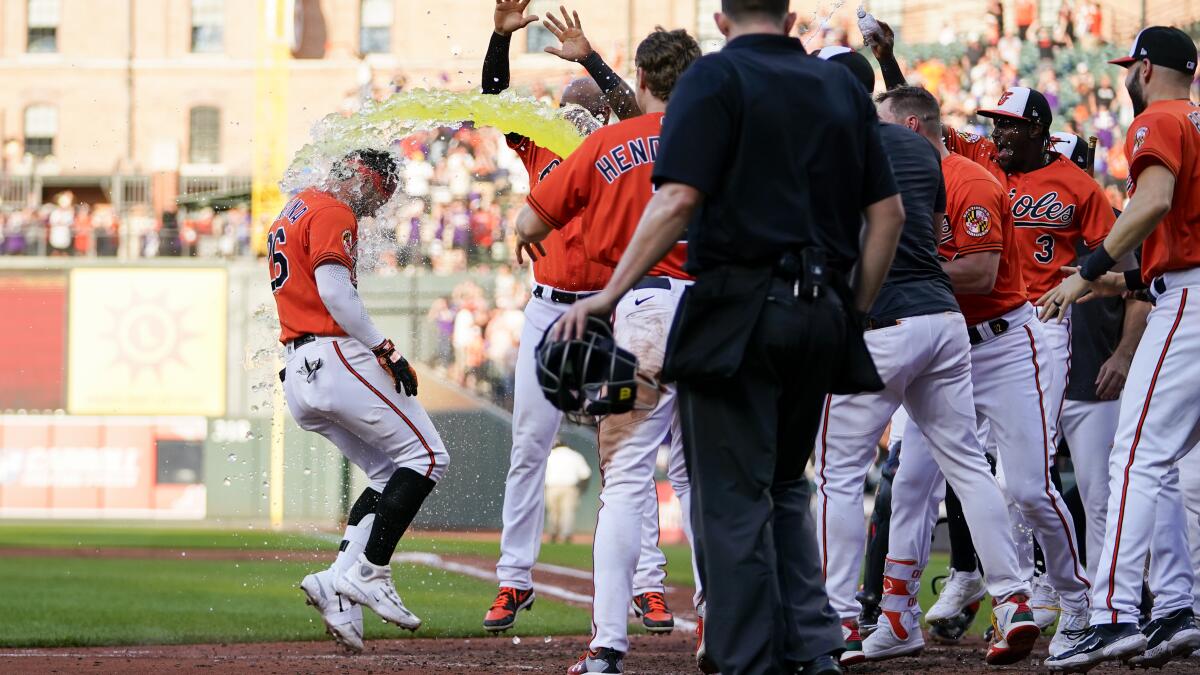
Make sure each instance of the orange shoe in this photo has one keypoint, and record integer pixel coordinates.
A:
(503, 613)
(652, 609)
(704, 663)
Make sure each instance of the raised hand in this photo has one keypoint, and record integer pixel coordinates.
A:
(569, 31)
(510, 16)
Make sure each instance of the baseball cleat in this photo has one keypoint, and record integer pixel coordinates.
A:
(652, 609)
(854, 649)
(1015, 632)
(898, 634)
(1101, 642)
(343, 618)
(602, 660)
(962, 589)
(503, 614)
(1044, 602)
(868, 618)
(371, 585)
(705, 664)
(1071, 627)
(1168, 638)
(822, 665)
(951, 632)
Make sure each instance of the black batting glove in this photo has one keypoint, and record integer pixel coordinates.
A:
(402, 374)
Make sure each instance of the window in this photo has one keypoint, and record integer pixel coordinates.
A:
(42, 20)
(208, 26)
(537, 38)
(41, 126)
(375, 36)
(204, 135)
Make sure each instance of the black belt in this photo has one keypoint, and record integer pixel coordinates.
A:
(998, 326)
(302, 340)
(559, 297)
(653, 282)
(876, 324)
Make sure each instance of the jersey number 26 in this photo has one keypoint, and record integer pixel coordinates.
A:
(278, 261)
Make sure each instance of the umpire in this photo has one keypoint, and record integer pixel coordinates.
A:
(771, 163)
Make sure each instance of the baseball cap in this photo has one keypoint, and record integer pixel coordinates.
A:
(1022, 103)
(1071, 146)
(1164, 46)
(858, 64)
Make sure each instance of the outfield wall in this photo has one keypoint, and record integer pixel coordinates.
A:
(145, 390)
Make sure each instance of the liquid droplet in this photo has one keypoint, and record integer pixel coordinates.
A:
(232, 457)
(516, 640)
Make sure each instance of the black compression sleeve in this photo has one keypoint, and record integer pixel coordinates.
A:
(601, 72)
(892, 75)
(495, 64)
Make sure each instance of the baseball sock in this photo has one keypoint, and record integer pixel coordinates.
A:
(401, 500)
(901, 581)
(358, 528)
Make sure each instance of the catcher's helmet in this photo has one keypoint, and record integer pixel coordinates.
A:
(589, 375)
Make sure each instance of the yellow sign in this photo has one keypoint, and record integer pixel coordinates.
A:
(147, 342)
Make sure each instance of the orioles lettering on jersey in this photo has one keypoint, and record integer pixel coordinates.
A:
(623, 158)
(1046, 211)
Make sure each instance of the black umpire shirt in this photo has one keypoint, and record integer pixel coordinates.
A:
(785, 148)
(916, 284)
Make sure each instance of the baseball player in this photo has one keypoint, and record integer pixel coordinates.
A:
(1159, 421)
(919, 342)
(346, 381)
(607, 183)
(562, 274)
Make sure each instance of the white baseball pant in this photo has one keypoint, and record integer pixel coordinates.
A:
(535, 423)
(628, 452)
(336, 388)
(1159, 424)
(925, 364)
(1189, 487)
(1058, 349)
(1089, 427)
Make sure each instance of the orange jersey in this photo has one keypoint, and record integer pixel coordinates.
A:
(313, 229)
(607, 183)
(1167, 133)
(978, 220)
(566, 265)
(1053, 209)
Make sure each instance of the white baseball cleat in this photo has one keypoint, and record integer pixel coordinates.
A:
(897, 634)
(961, 590)
(342, 617)
(1044, 602)
(1071, 627)
(371, 585)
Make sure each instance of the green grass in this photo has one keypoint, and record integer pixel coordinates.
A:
(90, 536)
(61, 602)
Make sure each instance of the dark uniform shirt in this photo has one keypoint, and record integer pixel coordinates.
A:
(784, 147)
(1095, 333)
(916, 284)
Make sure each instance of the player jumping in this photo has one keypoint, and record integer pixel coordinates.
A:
(346, 381)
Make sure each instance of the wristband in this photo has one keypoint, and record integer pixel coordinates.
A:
(1133, 280)
(1096, 264)
(384, 349)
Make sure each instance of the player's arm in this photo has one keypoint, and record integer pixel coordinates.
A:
(509, 17)
(1111, 378)
(974, 273)
(576, 47)
(883, 47)
(979, 242)
(1150, 202)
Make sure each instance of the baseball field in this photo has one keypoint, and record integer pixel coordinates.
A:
(136, 598)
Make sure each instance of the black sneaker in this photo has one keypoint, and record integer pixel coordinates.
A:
(822, 665)
(868, 618)
(951, 632)
(1169, 637)
(1100, 643)
(602, 660)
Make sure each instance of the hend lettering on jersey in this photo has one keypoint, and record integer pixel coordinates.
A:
(625, 157)
(1047, 211)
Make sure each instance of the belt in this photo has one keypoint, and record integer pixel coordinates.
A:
(557, 296)
(653, 282)
(876, 324)
(301, 341)
(996, 326)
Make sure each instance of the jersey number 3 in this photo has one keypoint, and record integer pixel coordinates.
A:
(279, 261)
(1046, 254)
